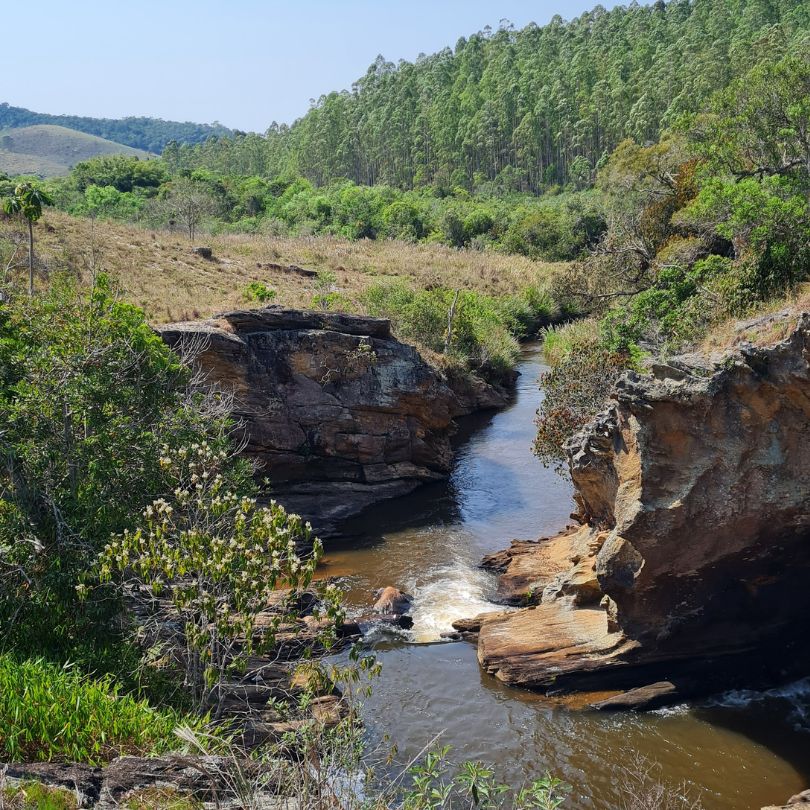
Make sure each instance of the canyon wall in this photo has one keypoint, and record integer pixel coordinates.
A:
(335, 411)
(692, 558)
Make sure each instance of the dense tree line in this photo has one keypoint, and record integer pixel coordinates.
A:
(555, 227)
(150, 134)
(710, 223)
(520, 110)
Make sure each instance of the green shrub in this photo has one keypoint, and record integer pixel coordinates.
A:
(415, 315)
(560, 341)
(485, 329)
(89, 395)
(578, 385)
(403, 220)
(218, 556)
(259, 291)
(107, 202)
(119, 172)
(49, 712)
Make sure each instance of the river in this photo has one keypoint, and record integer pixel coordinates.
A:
(740, 751)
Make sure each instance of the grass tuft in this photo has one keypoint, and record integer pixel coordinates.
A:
(55, 713)
(36, 796)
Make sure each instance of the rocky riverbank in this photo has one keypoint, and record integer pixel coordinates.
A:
(687, 569)
(336, 412)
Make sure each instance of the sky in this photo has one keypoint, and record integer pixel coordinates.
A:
(244, 63)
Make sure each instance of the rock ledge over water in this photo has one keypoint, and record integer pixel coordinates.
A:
(692, 561)
(337, 413)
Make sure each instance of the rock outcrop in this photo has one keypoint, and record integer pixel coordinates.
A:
(336, 412)
(692, 562)
(207, 782)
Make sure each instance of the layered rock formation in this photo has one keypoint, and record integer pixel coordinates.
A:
(692, 563)
(336, 412)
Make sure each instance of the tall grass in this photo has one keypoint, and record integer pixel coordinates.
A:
(559, 342)
(55, 713)
(485, 328)
(158, 272)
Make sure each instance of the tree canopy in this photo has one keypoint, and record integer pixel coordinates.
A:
(523, 109)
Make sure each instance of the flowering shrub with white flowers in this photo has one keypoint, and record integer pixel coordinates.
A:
(217, 557)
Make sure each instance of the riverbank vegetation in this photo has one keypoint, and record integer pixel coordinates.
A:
(471, 199)
(135, 564)
(710, 224)
(95, 407)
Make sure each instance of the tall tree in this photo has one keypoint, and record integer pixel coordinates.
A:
(536, 104)
(27, 201)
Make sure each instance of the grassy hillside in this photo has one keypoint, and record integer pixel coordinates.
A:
(150, 134)
(159, 271)
(48, 151)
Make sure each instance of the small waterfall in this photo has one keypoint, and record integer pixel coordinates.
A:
(453, 591)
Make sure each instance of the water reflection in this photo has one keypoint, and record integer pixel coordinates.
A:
(741, 756)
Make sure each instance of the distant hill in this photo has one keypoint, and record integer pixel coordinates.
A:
(48, 150)
(149, 134)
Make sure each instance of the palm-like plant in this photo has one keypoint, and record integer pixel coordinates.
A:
(28, 201)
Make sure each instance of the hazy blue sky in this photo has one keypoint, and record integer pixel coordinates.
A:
(241, 62)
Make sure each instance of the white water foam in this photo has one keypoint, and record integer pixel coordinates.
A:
(453, 592)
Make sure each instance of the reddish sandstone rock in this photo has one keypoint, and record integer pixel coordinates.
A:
(336, 412)
(392, 600)
(694, 556)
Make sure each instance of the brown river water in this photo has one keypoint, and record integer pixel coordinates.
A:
(740, 750)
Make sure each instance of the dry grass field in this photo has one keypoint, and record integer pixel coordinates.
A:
(159, 271)
(767, 324)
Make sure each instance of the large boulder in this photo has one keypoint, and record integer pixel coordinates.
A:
(336, 412)
(693, 490)
(392, 600)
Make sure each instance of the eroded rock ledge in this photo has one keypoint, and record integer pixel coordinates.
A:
(337, 413)
(690, 569)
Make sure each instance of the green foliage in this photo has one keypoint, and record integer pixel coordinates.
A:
(485, 329)
(701, 229)
(50, 712)
(525, 110)
(661, 316)
(121, 172)
(768, 218)
(219, 557)
(475, 786)
(36, 796)
(118, 187)
(326, 296)
(758, 125)
(405, 220)
(107, 202)
(259, 291)
(27, 200)
(89, 395)
(576, 388)
(555, 232)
